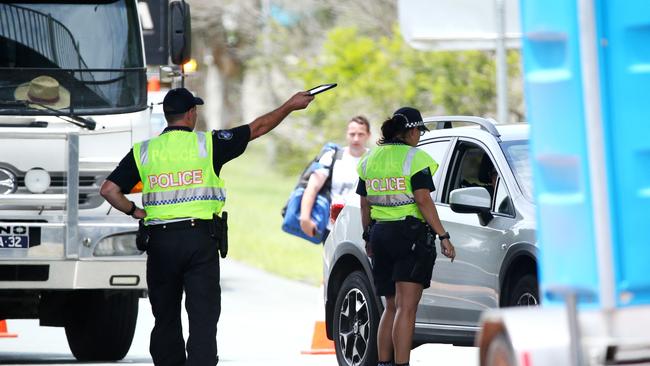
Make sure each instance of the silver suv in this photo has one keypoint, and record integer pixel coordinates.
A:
(484, 199)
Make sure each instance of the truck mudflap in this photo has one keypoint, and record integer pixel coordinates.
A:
(541, 336)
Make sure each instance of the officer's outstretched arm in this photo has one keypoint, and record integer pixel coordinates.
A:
(263, 124)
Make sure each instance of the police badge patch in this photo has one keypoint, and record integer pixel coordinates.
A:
(224, 135)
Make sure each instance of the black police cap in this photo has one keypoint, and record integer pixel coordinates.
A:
(180, 100)
(410, 118)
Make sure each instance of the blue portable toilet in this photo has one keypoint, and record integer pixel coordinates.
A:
(585, 96)
(587, 78)
(624, 61)
(560, 158)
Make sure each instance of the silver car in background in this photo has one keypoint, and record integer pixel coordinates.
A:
(484, 199)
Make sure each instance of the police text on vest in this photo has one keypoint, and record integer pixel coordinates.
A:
(177, 179)
(386, 184)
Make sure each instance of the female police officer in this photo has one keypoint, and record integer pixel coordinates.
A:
(395, 180)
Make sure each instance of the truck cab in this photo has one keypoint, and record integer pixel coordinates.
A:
(73, 100)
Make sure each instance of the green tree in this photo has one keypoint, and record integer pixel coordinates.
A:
(378, 75)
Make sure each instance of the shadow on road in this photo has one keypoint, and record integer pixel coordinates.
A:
(58, 359)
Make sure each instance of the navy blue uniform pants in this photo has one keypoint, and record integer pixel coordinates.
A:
(184, 260)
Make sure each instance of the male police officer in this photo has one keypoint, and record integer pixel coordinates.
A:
(182, 191)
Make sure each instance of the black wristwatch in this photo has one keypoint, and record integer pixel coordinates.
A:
(132, 210)
(444, 236)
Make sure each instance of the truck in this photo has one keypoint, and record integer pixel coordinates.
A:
(586, 81)
(73, 100)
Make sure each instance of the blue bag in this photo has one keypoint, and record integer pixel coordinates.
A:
(320, 212)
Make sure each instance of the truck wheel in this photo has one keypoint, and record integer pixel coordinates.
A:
(499, 352)
(100, 324)
(525, 292)
(356, 320)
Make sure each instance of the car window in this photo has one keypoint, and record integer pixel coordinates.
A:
(438, 151)
(502, 202)
(517, 155)
(472, 167)
(466, 169)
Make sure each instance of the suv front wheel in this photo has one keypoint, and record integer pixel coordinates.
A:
(356, 320)
(524, 292)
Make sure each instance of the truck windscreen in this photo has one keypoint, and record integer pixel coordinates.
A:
(82, 57)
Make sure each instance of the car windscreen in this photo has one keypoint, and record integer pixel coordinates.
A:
(88, 56)
(518, 157)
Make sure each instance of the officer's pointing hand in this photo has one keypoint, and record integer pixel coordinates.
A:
(300, 100)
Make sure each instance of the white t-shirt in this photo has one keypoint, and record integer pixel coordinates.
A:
(344, 175)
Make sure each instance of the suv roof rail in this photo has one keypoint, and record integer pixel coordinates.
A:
(486, 124)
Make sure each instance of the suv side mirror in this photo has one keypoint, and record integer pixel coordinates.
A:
(472, 200)
(180, 32)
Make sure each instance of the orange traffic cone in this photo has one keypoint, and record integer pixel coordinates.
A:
(320, 344)
(3, 330)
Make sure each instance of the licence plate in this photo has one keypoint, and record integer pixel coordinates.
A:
(14, 241)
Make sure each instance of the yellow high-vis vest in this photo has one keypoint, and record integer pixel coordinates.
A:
(178, 177)
(387, 171)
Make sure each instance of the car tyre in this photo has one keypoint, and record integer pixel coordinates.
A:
(100, 325)
(356, 320)
(499, 352)
(524, 292)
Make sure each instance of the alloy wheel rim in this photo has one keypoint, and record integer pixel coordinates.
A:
(354, 327)
(527, 299)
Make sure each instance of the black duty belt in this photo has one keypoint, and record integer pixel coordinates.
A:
(180, 225)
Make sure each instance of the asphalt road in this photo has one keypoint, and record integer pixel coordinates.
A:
(265, 320)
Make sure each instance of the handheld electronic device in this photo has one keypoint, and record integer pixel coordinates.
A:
(321, 88)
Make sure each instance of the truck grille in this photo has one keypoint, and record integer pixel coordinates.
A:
(89, 184)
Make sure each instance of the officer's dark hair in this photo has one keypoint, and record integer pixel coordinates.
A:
(362, 121)
(392, 128)
(172, 118)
